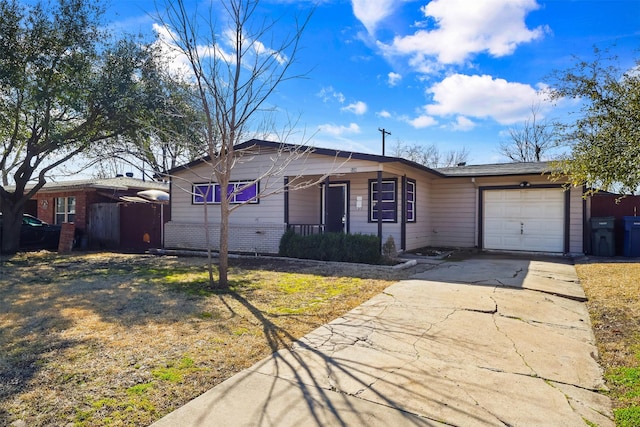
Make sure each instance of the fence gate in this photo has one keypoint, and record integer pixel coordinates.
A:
(104, 225)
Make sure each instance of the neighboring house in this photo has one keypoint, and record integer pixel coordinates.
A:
(107, 213)
(511, 206)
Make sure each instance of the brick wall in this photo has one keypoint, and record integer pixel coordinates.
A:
(47, 207)
(66, 237)
(246, 238)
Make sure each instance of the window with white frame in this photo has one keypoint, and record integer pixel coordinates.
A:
(65, 209)
(238, 191)
(411, 200)
(388, 209)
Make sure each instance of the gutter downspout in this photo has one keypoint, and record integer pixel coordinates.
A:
(476, 213)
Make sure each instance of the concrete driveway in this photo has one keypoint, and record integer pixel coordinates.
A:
(485, 341)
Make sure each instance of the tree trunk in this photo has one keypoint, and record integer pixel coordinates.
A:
(223, 260)
(11, 225)
(207, 241)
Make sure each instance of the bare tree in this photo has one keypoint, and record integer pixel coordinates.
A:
(429, 155)
(233, 72)
(270, 178)
(531, 141)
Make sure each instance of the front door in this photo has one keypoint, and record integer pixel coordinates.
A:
(335, 210)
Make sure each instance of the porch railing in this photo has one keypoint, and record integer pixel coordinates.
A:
(306, 229)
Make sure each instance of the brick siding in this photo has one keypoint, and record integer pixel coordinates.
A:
(244, 238)
(66, 237)
(47, 207)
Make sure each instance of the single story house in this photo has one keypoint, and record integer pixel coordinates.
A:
(107, 213)
(506, 207)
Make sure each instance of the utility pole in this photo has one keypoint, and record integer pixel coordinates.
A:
(384, 132)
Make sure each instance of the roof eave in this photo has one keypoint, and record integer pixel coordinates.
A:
(314, 150)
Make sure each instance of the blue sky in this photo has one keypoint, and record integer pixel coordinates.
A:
(454, 73)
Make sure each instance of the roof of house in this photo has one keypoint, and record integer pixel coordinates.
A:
(497, 169)
(122, 183)
(315, 150)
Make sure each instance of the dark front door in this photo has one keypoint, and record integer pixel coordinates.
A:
(335, 212)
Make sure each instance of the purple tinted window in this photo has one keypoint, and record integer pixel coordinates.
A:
(200, 192)
(239, 192)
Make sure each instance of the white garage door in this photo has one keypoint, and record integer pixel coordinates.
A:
(524, 220)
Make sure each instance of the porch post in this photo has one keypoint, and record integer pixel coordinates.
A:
(379, 207)
(403, 213)
(327, 184)
(567, 221)
(286, 201)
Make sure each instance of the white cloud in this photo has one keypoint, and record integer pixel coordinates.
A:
(484, 97)
(384, 114)
(329, 94)
(358, 108)
(343, 144)
(371, 12)
(177, 61)
(339, 130)
(260, 49)
(458, 29)
(422, 121)
(394, 78)
(463, 124)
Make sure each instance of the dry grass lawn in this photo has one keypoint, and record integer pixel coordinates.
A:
(613, 290)
(108, 339)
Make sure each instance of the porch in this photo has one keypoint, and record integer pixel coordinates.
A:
(377, 203)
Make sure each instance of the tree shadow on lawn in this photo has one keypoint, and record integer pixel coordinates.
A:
(51, 310)
(50, 315)
(21, 358)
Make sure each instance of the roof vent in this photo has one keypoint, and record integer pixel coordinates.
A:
(462, 164)
(129, 174)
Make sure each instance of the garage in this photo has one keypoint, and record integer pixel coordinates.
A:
(529, 219)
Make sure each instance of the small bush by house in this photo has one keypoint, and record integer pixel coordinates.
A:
(360, 248)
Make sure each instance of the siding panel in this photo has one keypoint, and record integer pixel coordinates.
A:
(304, 206)
(576, 219)
(453, 213)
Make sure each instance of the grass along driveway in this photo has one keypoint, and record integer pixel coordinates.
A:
(613, 290)
(108, 339)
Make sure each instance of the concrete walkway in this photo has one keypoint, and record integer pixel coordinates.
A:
(481, 342)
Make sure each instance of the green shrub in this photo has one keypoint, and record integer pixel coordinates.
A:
(287, 242)
(361, 248)
(364, 248)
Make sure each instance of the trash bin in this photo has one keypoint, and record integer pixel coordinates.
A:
(631, 236)
(602, 240)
